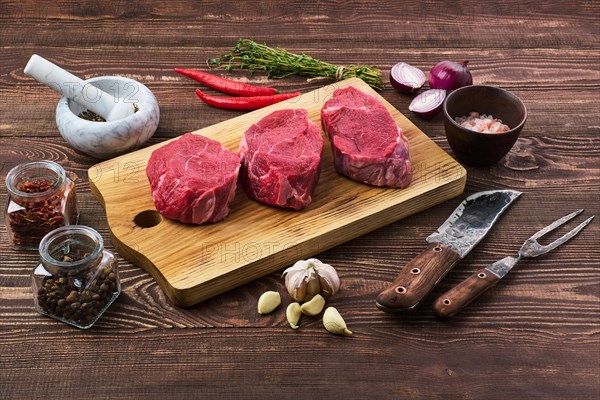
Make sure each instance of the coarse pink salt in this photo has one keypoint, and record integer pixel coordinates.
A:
(482, 123)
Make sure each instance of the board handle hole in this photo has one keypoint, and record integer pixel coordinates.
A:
(147, 219)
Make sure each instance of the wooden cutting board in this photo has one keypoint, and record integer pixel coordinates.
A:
(193, 263)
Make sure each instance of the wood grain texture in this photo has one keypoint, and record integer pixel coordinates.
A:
(532, 74)
(533, 336)
(461, 295)
(417, 278)
(255, 239)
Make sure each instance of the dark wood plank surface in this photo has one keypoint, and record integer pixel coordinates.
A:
(534, 335)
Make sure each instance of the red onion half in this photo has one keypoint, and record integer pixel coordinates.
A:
(427, 104)
(450, 75)
(406, 78)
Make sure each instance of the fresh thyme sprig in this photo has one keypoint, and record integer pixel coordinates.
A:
(279, 63)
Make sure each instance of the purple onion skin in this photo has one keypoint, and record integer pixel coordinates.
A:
(430, 108)
(406, 78)
(450, 75)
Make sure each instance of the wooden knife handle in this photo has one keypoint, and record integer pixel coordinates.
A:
(465, 292)
(417, 278)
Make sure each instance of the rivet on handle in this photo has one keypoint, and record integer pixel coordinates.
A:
(400, 290)
(415, 271)
(481, 275)
(447, 302)
(437, 249)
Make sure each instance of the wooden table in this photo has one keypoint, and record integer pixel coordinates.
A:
(534, 335)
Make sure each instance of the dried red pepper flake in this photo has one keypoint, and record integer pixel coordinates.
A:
(35, 219)
(36, 185)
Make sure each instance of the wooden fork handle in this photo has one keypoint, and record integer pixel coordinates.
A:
(455, 299)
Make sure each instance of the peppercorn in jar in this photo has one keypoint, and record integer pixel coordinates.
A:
(77, 279)
(42, 198)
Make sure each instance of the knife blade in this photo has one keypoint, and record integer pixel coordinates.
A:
(453, 240)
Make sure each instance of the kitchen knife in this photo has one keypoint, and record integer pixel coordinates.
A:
(455, 299)
(453, 240)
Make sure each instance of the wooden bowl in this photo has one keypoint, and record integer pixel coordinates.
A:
(483, 149)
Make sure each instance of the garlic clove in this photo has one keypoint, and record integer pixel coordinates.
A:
(295, 279)
(313, 286)
(268, 301)
(326, 289)
(293, 314)
(334, 323)
(314, 306)
(295, 286)
(330, 281)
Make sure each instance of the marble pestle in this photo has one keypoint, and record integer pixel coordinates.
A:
(105, 105)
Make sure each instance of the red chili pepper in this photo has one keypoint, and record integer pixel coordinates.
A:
(226, 85)
(244, 103)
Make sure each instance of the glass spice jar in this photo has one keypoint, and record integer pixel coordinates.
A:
(42, 198)
(76, 280)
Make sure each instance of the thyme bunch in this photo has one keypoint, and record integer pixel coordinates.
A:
(280, 63)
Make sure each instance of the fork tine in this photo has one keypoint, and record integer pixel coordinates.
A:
(556, 224)
(568, 235)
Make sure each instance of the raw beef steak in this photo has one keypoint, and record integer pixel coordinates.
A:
(281, 159)
(367, 144)
(193, 179)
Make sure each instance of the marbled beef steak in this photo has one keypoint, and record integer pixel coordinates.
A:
(367, 144)
(281, 159)
(193, 179)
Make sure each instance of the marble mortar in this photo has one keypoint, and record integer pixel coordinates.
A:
(110, 139)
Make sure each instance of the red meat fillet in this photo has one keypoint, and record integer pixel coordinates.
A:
(193, 179)
(367, 144)
(281, 159)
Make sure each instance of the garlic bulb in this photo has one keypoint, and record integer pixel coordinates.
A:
(307, 278)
